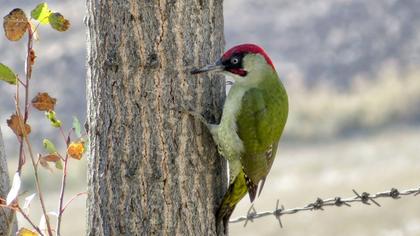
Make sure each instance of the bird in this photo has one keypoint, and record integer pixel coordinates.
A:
(252, 122)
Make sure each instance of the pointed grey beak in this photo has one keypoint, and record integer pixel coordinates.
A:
(218, 66)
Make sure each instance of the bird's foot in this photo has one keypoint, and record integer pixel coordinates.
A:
(185, 110)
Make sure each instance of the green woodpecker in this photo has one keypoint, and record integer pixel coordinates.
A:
(254, 115)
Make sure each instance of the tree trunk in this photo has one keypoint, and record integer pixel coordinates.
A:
(153, 170)
(8, 223)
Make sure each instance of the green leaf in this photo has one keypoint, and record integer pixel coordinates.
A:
(58, 22)
(49, 146)
(6, 74)
(51, 116)
(77, 127)
(41, 13)
(56, 123)
(59, 165)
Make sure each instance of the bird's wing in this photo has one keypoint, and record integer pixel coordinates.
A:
(259, 126)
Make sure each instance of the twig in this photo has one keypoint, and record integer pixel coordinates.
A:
(71, 200)
(63, 187)
(29, 220)
(64, 136)
(320, 204)
(63, 182)
(21, 127)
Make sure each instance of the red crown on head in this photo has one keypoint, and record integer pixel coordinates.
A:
(247, 48)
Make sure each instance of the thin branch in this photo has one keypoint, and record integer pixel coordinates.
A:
(64, 136)
(72, 199)
(63, 182)
(29, 220)
(320, 204)
(21, 127)
(63, 187)
(20, 81)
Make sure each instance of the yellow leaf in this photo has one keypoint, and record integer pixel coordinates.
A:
(26, 232)
(76, 150)
(41, 13)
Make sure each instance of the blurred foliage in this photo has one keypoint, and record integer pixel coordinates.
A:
(323, 111)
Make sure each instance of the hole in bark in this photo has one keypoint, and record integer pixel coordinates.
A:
(152, 60)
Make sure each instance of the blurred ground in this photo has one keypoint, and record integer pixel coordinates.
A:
(372, 163)
(351, 71)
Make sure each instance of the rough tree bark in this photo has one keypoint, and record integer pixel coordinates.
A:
(8, 223)
(153, 170)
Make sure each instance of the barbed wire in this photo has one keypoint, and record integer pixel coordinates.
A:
(319, 204)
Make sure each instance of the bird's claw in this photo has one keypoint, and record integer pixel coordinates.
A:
(185, 110)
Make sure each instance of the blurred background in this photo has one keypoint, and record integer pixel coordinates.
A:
(352, 71)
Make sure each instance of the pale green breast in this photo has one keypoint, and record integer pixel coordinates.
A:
(225, 135)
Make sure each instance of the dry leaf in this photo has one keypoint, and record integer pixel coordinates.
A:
(76, 150)
(43, 102)
(15, 124)
(32, 57)
(26, 232)
(51, 158)
(45, 164)
(15, 24)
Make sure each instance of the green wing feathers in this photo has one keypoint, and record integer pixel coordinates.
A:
(260, 124)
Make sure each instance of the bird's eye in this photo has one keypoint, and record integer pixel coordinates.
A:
(234, 60)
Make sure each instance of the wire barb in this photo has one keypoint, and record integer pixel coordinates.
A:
(319, 204)
(250, 215)
(277, 212)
